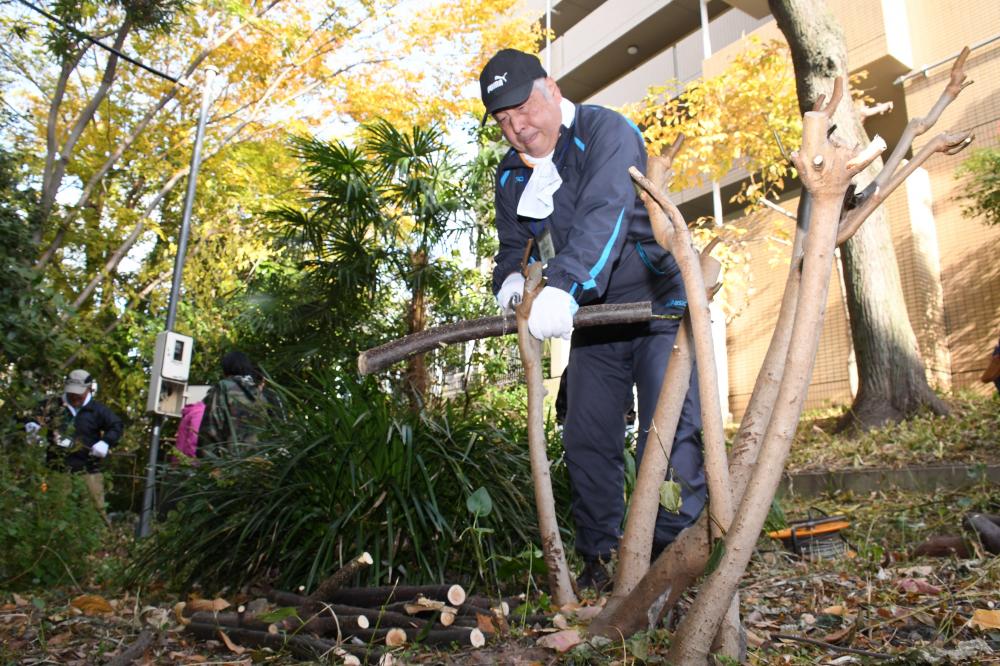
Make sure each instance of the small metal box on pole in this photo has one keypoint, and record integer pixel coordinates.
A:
(171, 366)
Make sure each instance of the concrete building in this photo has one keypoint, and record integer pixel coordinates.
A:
(610, 51)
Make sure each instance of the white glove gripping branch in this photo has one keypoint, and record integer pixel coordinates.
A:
(510, 292)
(552, 314)
(99, 449)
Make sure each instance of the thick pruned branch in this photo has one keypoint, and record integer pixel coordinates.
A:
(873, 196)
(381, 357)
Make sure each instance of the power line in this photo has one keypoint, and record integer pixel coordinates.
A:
(97, 42)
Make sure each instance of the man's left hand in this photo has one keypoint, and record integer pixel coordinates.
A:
(552, 314)
(99, 449)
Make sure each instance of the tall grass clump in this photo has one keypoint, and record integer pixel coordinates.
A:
(49, 525)
(435, 496)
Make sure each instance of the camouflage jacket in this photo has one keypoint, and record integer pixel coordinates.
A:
(236, 410)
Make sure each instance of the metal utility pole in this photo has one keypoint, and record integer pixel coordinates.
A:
(149, 492)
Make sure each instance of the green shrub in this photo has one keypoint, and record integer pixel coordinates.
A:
(351, 471)
(982, 191)
(49, 525)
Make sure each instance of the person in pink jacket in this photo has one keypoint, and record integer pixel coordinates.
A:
(187, 430)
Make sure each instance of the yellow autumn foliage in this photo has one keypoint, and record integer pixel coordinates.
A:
(744, 117)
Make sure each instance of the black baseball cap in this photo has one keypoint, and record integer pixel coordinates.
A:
(507, 78)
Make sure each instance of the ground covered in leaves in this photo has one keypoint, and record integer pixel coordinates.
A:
(873, 603)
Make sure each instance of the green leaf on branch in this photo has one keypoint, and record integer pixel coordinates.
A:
(670, 496)
(718, 550)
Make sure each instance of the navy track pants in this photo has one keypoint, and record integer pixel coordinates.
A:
(604, 363)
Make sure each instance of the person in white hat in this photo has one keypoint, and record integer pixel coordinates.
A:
(79, 432)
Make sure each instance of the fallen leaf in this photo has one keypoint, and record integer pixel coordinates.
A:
(233, 647)
(156, 617)
(808, 618)
(835, 610)
(561, 640)
(92, 604)
(836, 637)
(985, 619)
(210, 605)
(485, 623)
(59, 639)
(922, 570)
(917, 586)
(19, 600)
(753, 640)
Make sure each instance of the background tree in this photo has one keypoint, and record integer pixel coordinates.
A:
(892, 378)
(116, 142)
(743, 118)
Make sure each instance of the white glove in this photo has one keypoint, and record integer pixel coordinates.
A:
(510, 292)
(32, 429)
(552, 314)
(99, 449)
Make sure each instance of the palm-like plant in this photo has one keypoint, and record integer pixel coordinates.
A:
(347, 472)
(369, 244)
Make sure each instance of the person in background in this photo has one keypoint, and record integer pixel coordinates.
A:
(236, 407)
(189, 427)
(564, 187)
(992, 372)
(79, 432)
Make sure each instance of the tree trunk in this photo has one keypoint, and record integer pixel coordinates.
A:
(60, 160)
(416, 366)
(827, 168)
(892, 378)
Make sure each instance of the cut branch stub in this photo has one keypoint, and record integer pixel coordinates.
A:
(341, 576)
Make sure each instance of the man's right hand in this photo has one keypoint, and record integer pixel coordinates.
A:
(510, 292)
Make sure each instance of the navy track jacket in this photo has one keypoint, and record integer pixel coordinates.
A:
(605, 250)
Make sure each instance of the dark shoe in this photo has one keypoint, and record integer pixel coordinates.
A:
(594, 576)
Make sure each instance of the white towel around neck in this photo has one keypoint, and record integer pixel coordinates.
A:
(536, 201)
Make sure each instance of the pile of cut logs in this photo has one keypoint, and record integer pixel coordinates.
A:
(359, 625)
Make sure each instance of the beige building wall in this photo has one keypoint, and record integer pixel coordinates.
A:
(757, 302)
(970, 270)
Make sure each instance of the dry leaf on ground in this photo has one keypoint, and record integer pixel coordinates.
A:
(985, 619)
(92, 604)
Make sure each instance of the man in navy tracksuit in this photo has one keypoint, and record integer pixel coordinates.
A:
(565, 184)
